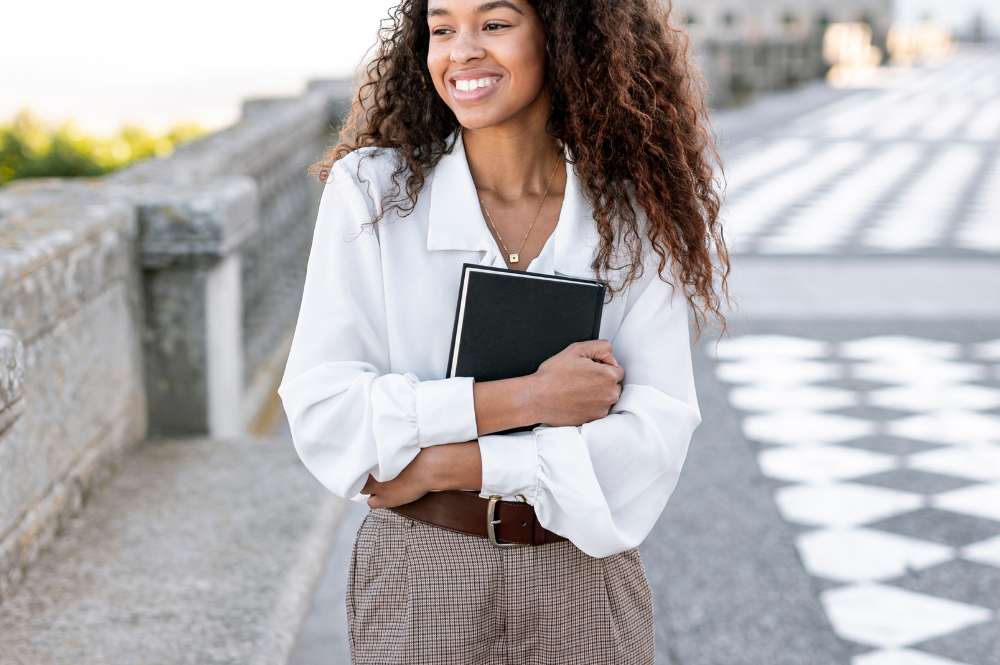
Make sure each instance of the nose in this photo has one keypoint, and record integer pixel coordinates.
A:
(466, 47)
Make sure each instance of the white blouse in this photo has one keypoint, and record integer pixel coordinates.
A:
(363, 388)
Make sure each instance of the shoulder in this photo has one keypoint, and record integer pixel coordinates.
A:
(353, 191)
(367, 169)
(366, 161)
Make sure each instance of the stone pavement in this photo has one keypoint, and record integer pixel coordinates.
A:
(197, 551)
(840, 501)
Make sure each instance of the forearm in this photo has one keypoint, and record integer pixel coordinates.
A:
(506, 404)
(454, 466)
(501, 404)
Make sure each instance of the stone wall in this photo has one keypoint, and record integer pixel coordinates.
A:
(153, 302)
(729, 19)
(735, 70)
(71, 397)
(269, 149)
(745, 48)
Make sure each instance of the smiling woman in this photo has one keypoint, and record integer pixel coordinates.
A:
(552, 136)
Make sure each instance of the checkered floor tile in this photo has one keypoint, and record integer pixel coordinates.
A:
(909, 168)
(885, 453)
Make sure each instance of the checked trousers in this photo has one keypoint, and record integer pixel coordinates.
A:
(418, 593)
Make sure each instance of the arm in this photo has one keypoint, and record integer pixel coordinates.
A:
(505, 404)
(348, 415)
(450, 466)
(605, 483)
(456, 466)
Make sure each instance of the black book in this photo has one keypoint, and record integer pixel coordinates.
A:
(508, 322)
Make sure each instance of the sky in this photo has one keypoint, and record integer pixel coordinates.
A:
(105, 62)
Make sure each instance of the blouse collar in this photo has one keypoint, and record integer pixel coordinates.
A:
(456, 220)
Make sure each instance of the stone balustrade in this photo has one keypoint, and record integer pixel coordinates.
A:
(155, 302)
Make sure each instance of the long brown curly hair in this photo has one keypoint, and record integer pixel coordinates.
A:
(626, 99)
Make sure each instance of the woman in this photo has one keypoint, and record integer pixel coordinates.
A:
(554, 136)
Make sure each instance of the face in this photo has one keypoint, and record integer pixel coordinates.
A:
(487, 59)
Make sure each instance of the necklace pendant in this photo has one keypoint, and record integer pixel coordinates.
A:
(513, 257)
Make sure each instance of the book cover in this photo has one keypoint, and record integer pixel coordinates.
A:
(508, 322)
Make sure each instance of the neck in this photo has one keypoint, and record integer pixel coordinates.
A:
(513, 163)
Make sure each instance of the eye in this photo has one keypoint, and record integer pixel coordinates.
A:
(441, 31)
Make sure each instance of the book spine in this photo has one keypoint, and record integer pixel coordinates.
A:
(599, 311)
(454, 325)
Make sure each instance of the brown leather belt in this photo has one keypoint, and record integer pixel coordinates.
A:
(504, 523)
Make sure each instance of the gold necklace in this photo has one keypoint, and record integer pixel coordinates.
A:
(514, 255)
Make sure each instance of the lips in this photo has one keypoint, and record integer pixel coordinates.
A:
(479, 92)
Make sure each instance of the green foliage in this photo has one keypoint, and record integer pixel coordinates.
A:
(30, 148)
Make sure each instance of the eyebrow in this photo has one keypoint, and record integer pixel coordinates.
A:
(485, 7)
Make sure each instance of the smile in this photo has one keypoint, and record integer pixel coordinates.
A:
(473, 89)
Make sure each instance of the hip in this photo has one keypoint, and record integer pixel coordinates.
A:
(418, 593)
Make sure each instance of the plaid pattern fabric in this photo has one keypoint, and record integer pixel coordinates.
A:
(418, 593)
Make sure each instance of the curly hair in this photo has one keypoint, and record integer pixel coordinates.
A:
(626, 99)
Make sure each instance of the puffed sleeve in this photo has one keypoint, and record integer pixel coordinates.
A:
(605, 483)
(348, 415)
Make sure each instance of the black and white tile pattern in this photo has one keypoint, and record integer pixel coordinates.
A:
(884, 451)
(909, 168)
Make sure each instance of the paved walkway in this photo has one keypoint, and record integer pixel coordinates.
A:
(841, 501)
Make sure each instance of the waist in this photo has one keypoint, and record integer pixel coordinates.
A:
(503, 523)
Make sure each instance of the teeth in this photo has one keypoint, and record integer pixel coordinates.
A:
(473, 84)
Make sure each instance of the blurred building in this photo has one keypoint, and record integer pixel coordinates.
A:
(771, 44)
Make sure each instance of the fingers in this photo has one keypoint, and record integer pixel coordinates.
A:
(609, 360)
(390, 494)
(599, 350)
(378, 490)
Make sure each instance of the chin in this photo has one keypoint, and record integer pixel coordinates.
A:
(479, 120)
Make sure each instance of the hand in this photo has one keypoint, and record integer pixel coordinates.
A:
(414, 481)
(579, 384)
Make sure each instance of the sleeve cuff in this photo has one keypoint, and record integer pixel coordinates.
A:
(446, 411)
(510, 466)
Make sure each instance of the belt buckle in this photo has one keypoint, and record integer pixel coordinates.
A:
(491, 522)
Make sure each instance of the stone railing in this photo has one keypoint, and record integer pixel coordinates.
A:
(736, 69)
(226, 223)
(155, 302)
(72, 396)
(11, 379)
